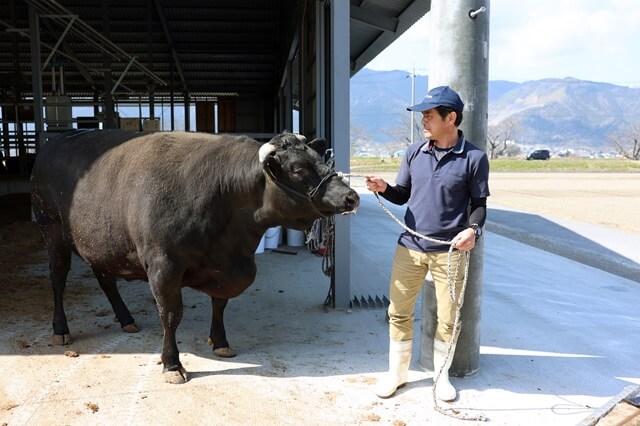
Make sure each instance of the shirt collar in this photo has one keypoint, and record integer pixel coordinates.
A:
(458, 148)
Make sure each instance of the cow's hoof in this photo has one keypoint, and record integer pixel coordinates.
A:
(177, 377)
(130, 328)
(226, 352)
(62, 339)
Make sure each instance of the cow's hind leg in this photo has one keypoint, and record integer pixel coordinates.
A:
(217, 333)
(59, 250)
(110, 288)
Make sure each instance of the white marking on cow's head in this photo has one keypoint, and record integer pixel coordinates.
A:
(265, 150)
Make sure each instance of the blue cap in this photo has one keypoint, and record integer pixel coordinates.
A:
(439, 96)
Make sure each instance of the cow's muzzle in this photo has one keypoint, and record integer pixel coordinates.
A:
(351, 202)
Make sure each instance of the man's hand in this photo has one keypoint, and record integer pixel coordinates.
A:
(465, 240)
(375, 183)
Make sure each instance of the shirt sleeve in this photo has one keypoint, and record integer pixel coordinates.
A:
(479, 187)
(396, 194)
(478, 211)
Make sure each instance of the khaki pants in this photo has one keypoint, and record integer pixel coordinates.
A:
(407, 277)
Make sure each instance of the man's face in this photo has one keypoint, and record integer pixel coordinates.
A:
(432, 124)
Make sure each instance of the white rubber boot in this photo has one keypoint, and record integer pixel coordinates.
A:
(444, 390)
(399, 360)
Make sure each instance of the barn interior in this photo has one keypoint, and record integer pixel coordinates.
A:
(251, 67)
(254, 67)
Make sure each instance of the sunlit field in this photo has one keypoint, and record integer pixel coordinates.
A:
(605, 165)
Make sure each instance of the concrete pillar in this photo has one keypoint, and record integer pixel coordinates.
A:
(459, 58)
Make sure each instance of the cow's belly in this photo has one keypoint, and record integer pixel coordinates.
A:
(124, 265)
(223, 282)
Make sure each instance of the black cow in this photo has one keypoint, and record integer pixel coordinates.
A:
(174, 209)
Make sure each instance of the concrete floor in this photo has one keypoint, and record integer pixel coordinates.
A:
(559, 339)
(560, 325)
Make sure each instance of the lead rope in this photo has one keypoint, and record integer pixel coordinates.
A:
(320, 236)
(450, 412)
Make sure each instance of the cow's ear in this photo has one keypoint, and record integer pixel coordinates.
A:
(271, 165)
(266, 150)
(319, 145)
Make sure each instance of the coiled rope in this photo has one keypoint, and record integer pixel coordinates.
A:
(451, 412)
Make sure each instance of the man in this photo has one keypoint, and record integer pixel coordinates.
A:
(444, 182)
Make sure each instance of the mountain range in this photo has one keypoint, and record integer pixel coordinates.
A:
(557, 114)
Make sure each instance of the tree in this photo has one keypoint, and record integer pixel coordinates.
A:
(498, 137)
(513, 150)
(359, 138)
(627, 143)
(401, 135)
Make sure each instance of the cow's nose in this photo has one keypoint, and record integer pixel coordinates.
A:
(351, 200)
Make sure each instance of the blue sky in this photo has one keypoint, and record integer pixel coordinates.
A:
(585, 39)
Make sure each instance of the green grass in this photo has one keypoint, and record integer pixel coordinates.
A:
(603, 165)
(374, 164)
(609, 165)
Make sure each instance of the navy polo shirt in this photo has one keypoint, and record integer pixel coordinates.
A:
(440, 191)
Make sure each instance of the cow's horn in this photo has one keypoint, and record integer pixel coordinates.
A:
(300, 137)
(265, 150)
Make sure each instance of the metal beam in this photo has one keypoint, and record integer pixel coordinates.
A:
(36, 77)
(11, 29)
(115, 86)
(374, 19)
(67, 52)
(405, 20)
(167, 34)
(55, 48)
(90, 35)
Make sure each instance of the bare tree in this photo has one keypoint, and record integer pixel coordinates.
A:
(401, 135)
(627, 143)
(513, 150)
(359, 136)
(498, 136)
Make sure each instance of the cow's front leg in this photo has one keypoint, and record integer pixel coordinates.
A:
(217, 333)
(164, 280)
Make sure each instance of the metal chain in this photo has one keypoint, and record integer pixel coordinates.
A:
(450, 412)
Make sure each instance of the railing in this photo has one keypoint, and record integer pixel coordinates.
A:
(17, 152)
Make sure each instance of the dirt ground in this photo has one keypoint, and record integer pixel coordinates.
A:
(607, 199)
(109, 377)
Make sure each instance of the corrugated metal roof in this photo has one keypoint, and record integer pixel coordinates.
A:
(216, 46)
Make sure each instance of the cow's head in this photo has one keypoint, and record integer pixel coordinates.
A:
(300, 186)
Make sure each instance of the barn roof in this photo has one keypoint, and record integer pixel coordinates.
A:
(204, 47)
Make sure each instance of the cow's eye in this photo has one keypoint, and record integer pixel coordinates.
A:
(298, 172)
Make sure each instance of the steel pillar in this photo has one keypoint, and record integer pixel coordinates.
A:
(339, 98)
(36, 77)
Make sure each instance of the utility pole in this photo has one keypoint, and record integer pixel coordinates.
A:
(461, 27)
(413, 98)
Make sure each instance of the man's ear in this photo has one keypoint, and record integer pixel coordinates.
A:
(319, 145)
